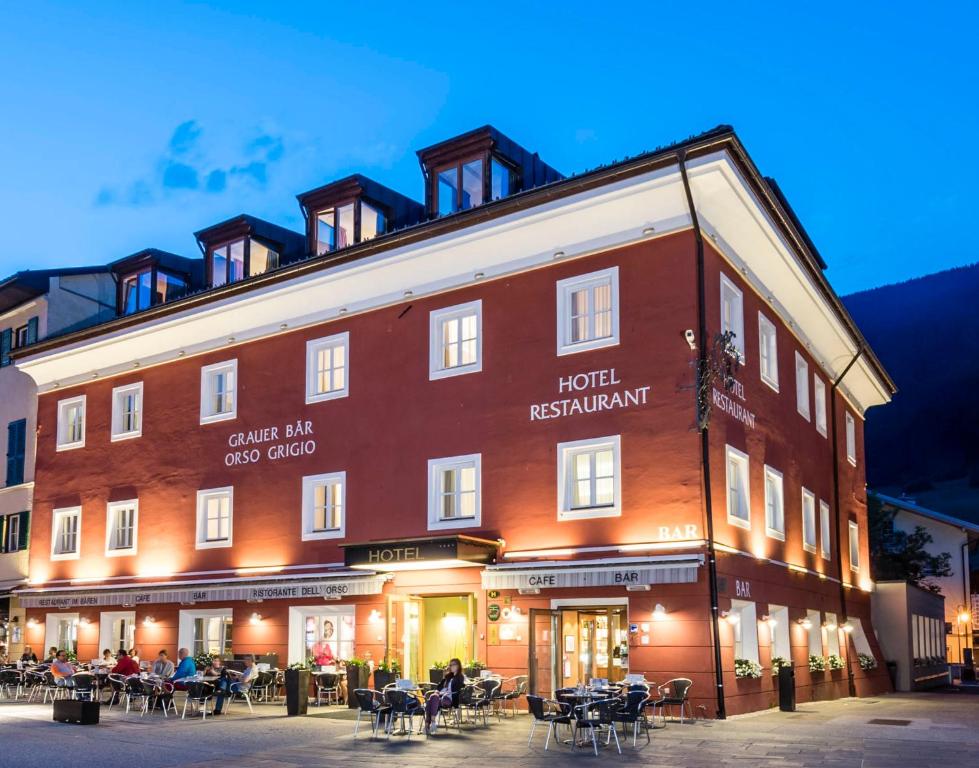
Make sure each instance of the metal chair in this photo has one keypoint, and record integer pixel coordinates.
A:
(11, 679)
(117, 689)
(520, 683)
(481, 700)
(163, 695)
(403, 704)
(633, 712)
(136, 695)
(327, 684)
(596, 716)
(538, 708)
(198, 694)
(263, 686)
(84, 686)
(53, 687)
(371, 702)
(673, 693)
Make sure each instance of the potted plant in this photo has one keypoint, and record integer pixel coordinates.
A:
(817, 664)
(203, 660)
(357, 675)
(746, 668)
(437, 671)
(867, 662)
(297, 688)
(386, 673)
(835, 661)
(473, 668)
(779, 662)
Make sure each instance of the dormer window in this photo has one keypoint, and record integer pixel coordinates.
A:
(460, 187)
(148, 287)
(237, 259)
(337, 226)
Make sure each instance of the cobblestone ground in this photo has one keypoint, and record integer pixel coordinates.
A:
(922, 730)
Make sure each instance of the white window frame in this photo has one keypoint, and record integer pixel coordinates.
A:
(185, 624)
(565, 477)
(851, 438)
(110, 526)
(815, 632)
(207, 373)
(809, 546)
(435, 468)
(564, 290)
(63, 444)
(202, 497)
(51, 622)
(13, 532)
(118, 393)
(107, 637)
(832, 635)
(740, 458)
(745, 630)
(825, 531)
(310, 484)
(436, 339)
(313, 348)
(854, 531)
(56, 515)
(731, 292)
(819, 397)
(802, 387)
(775, 476)
(780, 635)
(768, 349)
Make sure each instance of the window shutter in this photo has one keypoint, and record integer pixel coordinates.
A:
(6, 340)
(25, 519)
(16, 448)
(4, 525)
(32, 330)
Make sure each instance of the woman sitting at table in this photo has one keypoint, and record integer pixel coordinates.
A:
(446, 695)
(52, 655)
(28, 655)
(108, 660)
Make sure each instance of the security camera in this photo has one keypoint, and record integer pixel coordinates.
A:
(691, 339)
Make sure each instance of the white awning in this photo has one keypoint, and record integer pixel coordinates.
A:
(606, 572)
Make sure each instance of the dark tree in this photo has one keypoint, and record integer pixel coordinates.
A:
(902, 556)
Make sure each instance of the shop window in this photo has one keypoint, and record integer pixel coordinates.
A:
(324, 506)
(66, 525)
(588, 311)
(214, 518)
(815, 633)
(454, 492)
(219, 384)
(590, 478)
(802, 386)
(832, 635)
(71, 423)
(808, 520)
(819, 396)
(854, 546)
(774, 504)
(851, 439)
(327, 368)
(127, 411)
(738, 491)
(16, 451)
(768, 351)
(732, 315)
(321, 636)
(778, 623)
(825, 537)
(121, 523)
(455, 340)
(206, 631)
(745, 624)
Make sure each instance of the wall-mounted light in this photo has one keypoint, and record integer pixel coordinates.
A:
(731, 617)
(256, 618)
(558, 254)
(964, 617)
(149, 621)
(375, 616)
(770, 621)
(529, 591)
(84, 621)
(638, 588)
(478, 276)
(32, 622)
(649, 231)
(805, 623)
(659, 612)
(846, 627)
(829, 626)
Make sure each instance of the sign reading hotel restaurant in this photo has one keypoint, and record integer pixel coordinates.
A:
(734, 406)
(270, 443)
(592, 402)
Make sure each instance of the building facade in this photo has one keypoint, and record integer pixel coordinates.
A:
(571, 427)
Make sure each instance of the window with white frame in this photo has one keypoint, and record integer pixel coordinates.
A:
(808, 520)
(743, 618)
(328, 368)
(738, 491)
(815, 633)
(778, 627)
(588, 311)
(768, 351)
(121, 523)
(802, 386)
(774, 504)
(825, 537)
(454, 492)
(851, 439)
(589, 478)
(13, 533)
(732, 314)
(324, 506)
(71, 423)
(854, 546)
(127, 411)
(860, 642)
(206, 631)
(832, 635)
(219, 391)
(214, 517)
(819, 396)
(66, 533)
(455, 340)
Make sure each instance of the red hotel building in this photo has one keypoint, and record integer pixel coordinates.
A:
(572, 427)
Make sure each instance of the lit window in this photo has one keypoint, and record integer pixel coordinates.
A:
(768, 351)
(455, 340)
(819, 394)
(781, 642)
(815, 632)
(802, 386)
(219, 384)
(120, 528)
(137, 291)
(327, 368)
(732, 314)
(324, 505)
(459, 187)
(454, 492)
(71, 423)
(774, 504)
(854, 547)
(66, 527)
(371, 222)
(214, 517)
(738, 492)
(825, 540)
(127, 411)
(169, 287)
(335, 228)
(206, 632)
(808, 521)
(589, 478)
(745, 628)
(240, 258)
(851, 439)
(588, 311)
(832, 635)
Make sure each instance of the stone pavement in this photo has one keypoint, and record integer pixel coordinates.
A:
(923, 730)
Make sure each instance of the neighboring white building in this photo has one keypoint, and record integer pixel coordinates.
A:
(952, 535)
(34, 304)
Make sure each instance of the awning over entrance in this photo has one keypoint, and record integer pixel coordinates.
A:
(418, 554)
(608, 572)
(343, 583)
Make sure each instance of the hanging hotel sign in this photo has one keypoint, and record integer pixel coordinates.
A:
(734, 406)
(270, 443)
(568, 577)
(400, 553)
(589, 402)
(332, 588)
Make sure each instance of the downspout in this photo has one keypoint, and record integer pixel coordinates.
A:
(966, 597)
(705, 440)
(836, 501)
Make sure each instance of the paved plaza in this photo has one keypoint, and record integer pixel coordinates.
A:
(926, 730)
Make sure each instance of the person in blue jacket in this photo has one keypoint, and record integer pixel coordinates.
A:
(186, 668)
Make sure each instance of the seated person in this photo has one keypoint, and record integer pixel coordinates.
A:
(52, 655)
(216, 668)
(62, 669)
(125, 665)
(446, 695)
(28, 655)
(186, 667)
(162, 667)
(134, 655)
(225, 687)
(108, 660)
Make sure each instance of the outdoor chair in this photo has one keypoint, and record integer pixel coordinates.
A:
(263, 686)
(673, 693)
(116, 685)
(245, 695)
(327, 686)
(372, 703)
(84, 686)
(632, 712)
(482, 698)
(11, 679)
(596, 716)
(136, 695)
(53, 687)
(163, 697)
(199, 693)
(403, 705)
(517, 688)
(546, 711)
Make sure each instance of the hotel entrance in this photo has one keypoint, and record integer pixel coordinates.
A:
(574, 644)
(427, 629)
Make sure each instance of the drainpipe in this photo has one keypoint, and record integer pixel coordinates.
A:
(836, 502)
(705, 441)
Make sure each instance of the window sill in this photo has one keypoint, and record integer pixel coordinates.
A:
(589, 513)
(739, 522)
(773, 534)
(772, 385)
(804, 415)
(26, 486)
(69, 446)
(321, 397)
(587, 346)
(120, 552)
(215, 417)
(462, 522)
(810, 548)
(64, 556)
(213, 544)
(321, 535)
(125, 436)
(460, 370)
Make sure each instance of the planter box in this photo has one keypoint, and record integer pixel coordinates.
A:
(436, 675)
(357, 677)
(382, 679)
(297, 691)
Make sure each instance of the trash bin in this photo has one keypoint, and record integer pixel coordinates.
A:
(786, 689)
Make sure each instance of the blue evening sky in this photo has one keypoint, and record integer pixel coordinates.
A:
(131, 124)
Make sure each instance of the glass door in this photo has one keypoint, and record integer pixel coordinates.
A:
(545, 653)
(404, 635)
